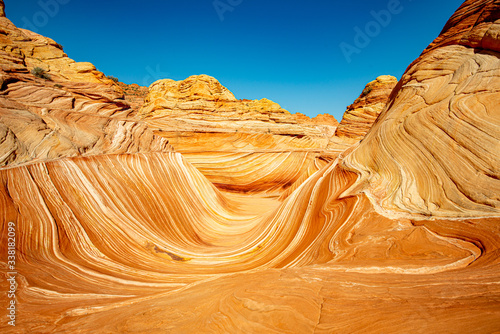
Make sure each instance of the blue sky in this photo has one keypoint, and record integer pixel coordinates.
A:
(287, 51)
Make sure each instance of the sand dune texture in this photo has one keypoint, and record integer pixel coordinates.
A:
(196, 212)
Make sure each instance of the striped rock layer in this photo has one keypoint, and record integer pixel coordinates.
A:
(387, 236)
(436, 149)
(360, 116)
(239, 145)
(67, 109)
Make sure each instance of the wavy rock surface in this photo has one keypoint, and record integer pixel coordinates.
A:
(360, 116)
(106, 257)
(436, 149)
(240, 145)
(73, 111)
(145, 242)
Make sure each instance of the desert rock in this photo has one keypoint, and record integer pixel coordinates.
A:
(360, 116)
(290, 230)
(65, 109)
(436, 149)
(240, 145)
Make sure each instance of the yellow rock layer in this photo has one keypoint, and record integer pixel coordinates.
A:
(360, 116)
(436, 150)
(117, 233)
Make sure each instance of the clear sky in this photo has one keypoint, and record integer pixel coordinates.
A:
(308, 56)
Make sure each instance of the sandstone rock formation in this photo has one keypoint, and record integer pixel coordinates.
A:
(387, 236)
(134, 94)
(360, 116)
(66, 109)
(200, 103)
(322, 119)
(436, 149)
(239, 145)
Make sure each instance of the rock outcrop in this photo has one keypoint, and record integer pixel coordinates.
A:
(360, 116)
(240, 145)
(399, 233)
(435, 151)
(200, 103)
(134, 94)
(52, 107)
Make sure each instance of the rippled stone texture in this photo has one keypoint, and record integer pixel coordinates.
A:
(436, 149)
(146, 241)
(68, 109)
(239, 145)
(360, 116)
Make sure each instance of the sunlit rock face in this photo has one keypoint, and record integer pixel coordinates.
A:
(65, 109)
(134, 94)
(200, 103)
(239, 145)
(360, 116)
(135, 236)
(436, 150)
